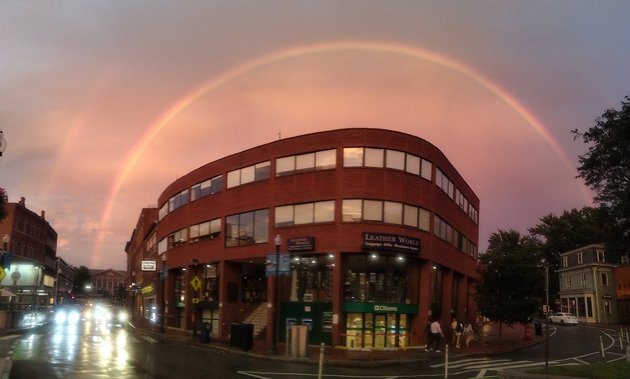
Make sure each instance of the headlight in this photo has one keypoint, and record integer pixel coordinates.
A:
(60, 316)
(123, 316)
(74, 317)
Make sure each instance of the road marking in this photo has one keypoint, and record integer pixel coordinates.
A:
(150, 339)
(466, 362)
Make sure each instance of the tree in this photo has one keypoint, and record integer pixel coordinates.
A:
(605, 168)
(82, 277)
(511, 284)
(4, 199)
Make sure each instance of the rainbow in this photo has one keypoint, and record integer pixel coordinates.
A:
(182, 104)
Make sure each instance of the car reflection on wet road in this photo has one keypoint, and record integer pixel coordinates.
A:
(76, 345)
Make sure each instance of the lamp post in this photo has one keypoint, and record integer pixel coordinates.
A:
(547, 317)
(276, 316)
(163, 283)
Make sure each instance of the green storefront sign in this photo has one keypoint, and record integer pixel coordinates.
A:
(380, 308)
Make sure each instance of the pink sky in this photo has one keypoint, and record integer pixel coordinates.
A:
(106, 103)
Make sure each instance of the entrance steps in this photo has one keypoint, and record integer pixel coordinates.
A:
(258, 318)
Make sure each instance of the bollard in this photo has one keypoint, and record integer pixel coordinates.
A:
(321, 361)
(621, 341)
(445, 361)
(628, 354)
(601, 344)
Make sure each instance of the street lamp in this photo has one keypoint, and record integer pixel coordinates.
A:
(163, 283)
(547, 317)
(274, 347)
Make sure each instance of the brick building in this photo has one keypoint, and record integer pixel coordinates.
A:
(375, 231)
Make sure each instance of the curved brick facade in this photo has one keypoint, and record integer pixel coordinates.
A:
(380, 229)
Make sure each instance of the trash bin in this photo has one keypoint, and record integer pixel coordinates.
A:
(242, 336)
(204, 333)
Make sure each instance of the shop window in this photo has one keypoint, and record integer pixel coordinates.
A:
(375, 278)
(312, 278)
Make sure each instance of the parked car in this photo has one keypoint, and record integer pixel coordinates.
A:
(563, 318)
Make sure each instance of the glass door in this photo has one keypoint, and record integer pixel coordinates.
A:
(380, 330)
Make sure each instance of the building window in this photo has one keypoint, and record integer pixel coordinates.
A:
(247, 228)
(600, 256)
(583, 280)
(413, 164)
(580, 258)
(374, 157)
(205, 230)
(353, 156)
(426, 169)
(567, 281)
(314, 278)
(162, 246)
(395, 160)
(320, 160)
(178, 200)
(444, 183)
(259, 171)
(607, 308)
(177, 238)
(604, 279)
(372, 210)
(356, 210)
(392, 212)
(308, 213)
(442, 229)
(565, 261)
(375, 278)
(206, 188)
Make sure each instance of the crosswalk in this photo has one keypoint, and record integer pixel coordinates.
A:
(488, 364)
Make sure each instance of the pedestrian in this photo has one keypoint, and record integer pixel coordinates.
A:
(436, 336)
(453, 326)
(459, 329)
(468, 334)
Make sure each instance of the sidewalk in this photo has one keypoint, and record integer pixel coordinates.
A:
(489, 340)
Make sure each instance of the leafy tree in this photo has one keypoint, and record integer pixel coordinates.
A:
(4, 199)
(82, 277)
(605, 168)
(559, 234)
(511, 283)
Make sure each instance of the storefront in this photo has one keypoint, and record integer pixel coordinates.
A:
(377, 326)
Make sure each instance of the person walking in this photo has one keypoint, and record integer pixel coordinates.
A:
(436, 336)
(452, 328)
(468, 334)
(459, 329)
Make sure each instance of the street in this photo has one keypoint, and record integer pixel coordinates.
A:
(86, 350)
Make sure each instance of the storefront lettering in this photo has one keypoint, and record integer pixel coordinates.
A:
(385, 308)
(390, 242)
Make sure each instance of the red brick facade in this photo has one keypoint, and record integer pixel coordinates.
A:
(440, 273)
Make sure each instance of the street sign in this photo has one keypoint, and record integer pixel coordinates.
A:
(2, 273)
(195, 283)
(283, 269)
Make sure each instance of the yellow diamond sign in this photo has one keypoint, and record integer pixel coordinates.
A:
(2, 273)
(195, 283)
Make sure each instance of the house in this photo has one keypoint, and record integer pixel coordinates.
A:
(587, 285)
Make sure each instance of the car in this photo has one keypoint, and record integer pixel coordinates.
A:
(563, 318)
(68, 314)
